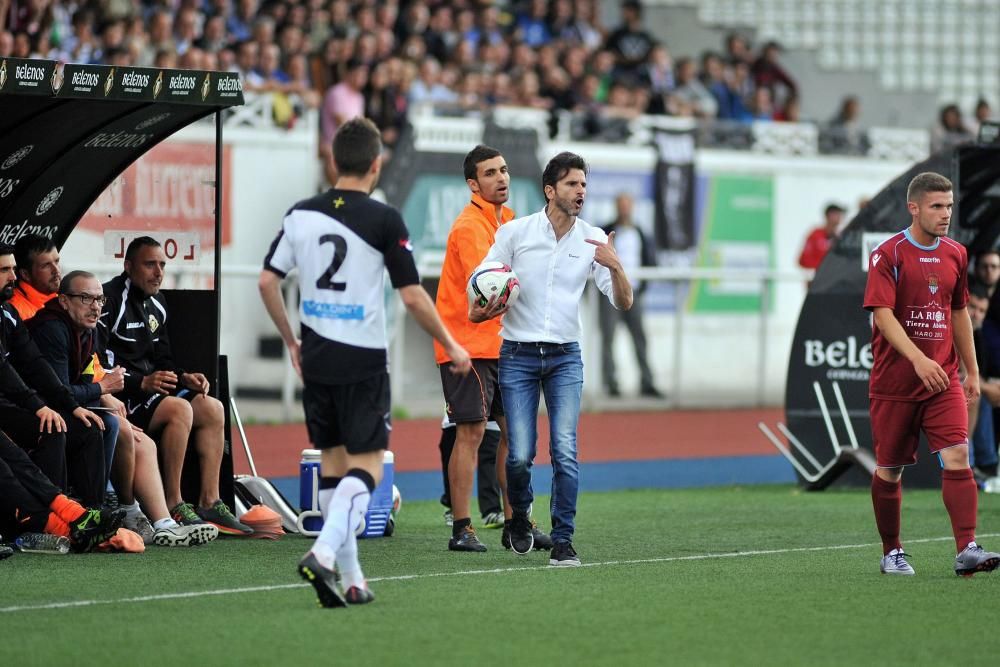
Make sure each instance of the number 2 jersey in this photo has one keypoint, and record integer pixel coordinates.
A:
(922, 285)
(342, 242)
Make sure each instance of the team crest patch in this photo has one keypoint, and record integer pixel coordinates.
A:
(932, 283)
(154, 324)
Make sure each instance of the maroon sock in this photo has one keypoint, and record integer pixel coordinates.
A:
(958, 488)
(886, 499)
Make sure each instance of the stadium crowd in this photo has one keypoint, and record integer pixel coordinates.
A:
(349, 57)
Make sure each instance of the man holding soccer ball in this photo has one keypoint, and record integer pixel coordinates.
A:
(553, 253)
(474, 398)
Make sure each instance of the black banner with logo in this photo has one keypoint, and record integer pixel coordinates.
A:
(60, 147)
(674, 189)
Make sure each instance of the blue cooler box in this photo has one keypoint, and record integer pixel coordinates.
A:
(379, 508)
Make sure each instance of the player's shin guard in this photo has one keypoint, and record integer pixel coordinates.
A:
(887, 497)
(347, 555)
(958, 489)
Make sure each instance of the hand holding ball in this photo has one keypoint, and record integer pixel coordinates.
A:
(493, 279)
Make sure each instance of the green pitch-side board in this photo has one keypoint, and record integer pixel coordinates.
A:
(736, 234)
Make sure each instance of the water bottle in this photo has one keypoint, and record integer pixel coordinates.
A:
(42, 543)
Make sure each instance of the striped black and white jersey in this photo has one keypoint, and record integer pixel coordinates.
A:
(342, 242)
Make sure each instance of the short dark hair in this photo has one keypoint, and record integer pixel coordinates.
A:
(925, 182)
(28, 246)
(559, 166)
(984, 253)
(137, 244)
(978, 290)
(67, 281)
(356, 146)
(7, 250)
(478, 154)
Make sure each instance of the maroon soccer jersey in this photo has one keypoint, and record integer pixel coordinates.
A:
(922, 285)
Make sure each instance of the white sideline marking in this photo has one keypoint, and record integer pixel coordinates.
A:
(497, 570)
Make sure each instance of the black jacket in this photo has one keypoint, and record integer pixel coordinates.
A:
(68, 352)
(132, 332)
(25, 369)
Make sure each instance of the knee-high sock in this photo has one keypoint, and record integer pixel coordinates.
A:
(958, 489)
(346, 509)
(887, 497)
(327, 486)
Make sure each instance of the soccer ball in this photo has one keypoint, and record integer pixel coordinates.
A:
(397, 500)
(493, 279)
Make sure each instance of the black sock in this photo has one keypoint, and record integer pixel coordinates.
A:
(458, 525)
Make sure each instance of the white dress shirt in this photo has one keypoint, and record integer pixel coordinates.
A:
(552, 274)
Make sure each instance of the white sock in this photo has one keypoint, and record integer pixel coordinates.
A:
(132, 511)
(164, 523)
(345, 511)
(325, 496)
(348, 563)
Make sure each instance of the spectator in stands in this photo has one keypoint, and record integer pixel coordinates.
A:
(657, 75)
(64, 442)
(844, 133)
(487, 27)
(213, 37)
(769, 73)
(527, 92)
(738, 49)
(299, 82)
(165, 401)
(6, 44)
(950, 130)
(982, 113)
(630, 41)
(691, 92)
(239, 24)
(427, 88)
(385, 105)
(247, 57)
(634, 251)
(160, 37)
(342, 102)
(37, 272)
(821, 238)
(64, 332)
(532, 26)
(761, 105)
(187, 29)
(269, 68)
(791, 112)
(441, 37)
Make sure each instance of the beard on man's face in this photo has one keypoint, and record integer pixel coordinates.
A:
(7, 293)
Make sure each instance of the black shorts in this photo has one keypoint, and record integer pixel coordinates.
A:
(473, 397)
(142, 406)
(355, 415)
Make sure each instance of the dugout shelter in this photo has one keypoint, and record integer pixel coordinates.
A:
(832, 342)
(67, 132)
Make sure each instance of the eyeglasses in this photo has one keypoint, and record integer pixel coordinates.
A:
(87, 299)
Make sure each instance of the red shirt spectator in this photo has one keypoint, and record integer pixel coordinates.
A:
(820, 239)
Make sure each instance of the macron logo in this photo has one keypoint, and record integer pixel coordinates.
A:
(875, 259)
(930, 260)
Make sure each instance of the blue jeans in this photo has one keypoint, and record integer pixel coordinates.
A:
(983, 450)
(557, 370)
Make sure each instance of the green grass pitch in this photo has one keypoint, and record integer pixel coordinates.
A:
(754, 576)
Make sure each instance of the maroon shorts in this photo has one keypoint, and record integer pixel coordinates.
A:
(896, 426)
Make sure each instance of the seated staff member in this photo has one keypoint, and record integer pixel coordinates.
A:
(165, 401)
(64, 331)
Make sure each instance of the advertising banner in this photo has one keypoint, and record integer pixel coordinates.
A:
(736, 233)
